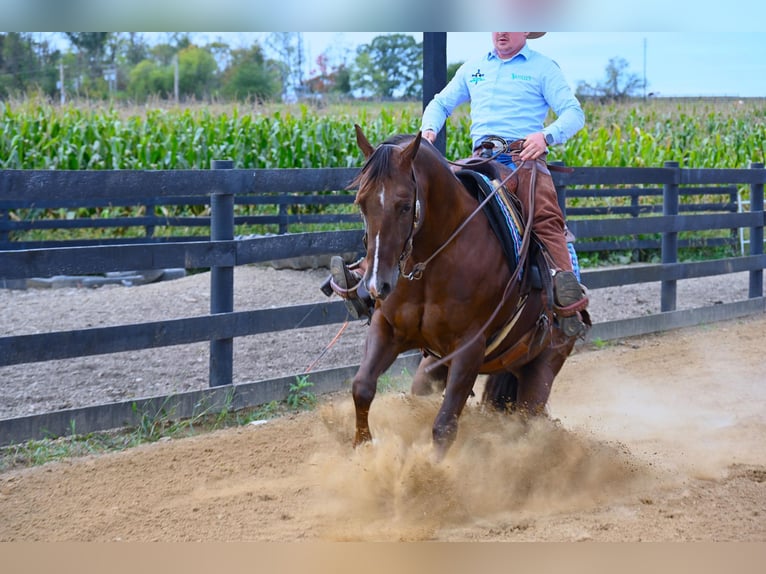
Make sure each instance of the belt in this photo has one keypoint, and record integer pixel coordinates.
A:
(497, 145)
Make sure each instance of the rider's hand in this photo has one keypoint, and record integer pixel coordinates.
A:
(534, 146)
(430, 135)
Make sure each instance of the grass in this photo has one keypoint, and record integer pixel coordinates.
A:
(299, 397)
(600, 343)
(161, 423)
(153, 425)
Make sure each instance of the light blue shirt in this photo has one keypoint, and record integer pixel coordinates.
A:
(509, 98)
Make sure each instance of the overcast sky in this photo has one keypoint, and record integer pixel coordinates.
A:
(676, 63)
(692, 47)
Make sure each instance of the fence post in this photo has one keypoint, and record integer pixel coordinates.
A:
(561, 191)
(435, 75)
(283, 214)
(149, 205)
(756, 234)
(221, 280)
(5, 237)
(670, 238)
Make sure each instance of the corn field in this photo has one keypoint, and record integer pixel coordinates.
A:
(696, 133)
(36, 135)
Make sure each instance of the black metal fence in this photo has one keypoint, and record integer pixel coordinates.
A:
(625, 225)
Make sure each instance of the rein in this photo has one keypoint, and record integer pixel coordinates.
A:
(523, 252)
(418, 268)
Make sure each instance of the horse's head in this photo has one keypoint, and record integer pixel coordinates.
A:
(388, 199)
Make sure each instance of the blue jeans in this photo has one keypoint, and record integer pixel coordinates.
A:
(505, 159)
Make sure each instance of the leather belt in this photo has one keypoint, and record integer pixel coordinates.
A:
(497, 145)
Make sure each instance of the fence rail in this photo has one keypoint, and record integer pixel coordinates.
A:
(222, 188)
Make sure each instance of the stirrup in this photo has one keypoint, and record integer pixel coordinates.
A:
(570, 299)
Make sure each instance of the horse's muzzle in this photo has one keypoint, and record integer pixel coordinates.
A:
(380, 288)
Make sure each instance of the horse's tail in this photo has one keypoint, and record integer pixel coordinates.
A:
(500, 391)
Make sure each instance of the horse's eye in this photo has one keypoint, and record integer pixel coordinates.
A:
(406, 208)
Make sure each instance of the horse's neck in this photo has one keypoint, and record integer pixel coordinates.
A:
(448, 204)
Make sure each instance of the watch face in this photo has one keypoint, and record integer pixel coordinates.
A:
(549, 139)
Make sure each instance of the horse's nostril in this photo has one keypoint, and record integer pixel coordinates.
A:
(381, 291)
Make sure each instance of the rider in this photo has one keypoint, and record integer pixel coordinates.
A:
(510, 89)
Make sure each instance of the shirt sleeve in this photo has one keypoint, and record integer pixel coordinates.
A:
(444, 103)
(570, 118)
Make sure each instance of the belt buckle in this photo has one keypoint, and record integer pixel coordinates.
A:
(491, 146)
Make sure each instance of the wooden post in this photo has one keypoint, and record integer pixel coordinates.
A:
(435, 74)
(756, 235)
(221, 281)
(561, 191)
(670, 238)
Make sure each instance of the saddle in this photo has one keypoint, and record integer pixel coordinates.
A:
(504, 214)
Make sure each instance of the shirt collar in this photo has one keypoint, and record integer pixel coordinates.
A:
(524, 52)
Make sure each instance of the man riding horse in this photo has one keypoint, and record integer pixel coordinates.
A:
(510, 89)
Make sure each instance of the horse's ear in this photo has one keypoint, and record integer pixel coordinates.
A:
(409, 153)
(362, 142)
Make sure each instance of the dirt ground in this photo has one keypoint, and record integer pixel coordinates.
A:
(54, 385)
(656, 438)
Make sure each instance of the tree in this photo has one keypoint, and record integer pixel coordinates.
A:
(329, 79)
(196, 76)
(389, 66)
(91, 46)
(148, 78)
(19, 65)
(618, 85)
(250, 75)
(96, 54)
(136, 49)
(288, 49)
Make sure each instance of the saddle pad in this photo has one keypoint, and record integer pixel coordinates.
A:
(504, 214)
(502, 211)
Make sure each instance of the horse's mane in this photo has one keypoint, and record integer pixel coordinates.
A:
(378, 165)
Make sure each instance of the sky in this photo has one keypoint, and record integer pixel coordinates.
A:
(675, 63)
(693, 47)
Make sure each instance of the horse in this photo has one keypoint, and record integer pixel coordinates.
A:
(442, 284)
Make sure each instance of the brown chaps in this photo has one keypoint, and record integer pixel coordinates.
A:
(548, 221)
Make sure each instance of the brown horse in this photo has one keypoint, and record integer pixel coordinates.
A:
(442, 283)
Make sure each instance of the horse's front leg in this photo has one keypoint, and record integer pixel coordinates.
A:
(379, 354)
(463, 371)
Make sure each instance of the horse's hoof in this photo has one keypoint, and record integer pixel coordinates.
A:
(360, 439)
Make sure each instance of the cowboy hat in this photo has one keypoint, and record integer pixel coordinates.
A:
(533, 35)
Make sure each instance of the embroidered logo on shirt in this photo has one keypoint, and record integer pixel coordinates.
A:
(477, 76)
(524, 77)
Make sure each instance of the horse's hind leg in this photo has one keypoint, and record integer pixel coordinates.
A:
(425, 383)
(536, 380)
(501, 391)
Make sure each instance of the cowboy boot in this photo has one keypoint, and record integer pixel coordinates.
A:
(347, 284)
(570, 299)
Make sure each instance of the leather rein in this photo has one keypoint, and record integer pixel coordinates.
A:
(502, 146)
(418, 268)
(523, 252)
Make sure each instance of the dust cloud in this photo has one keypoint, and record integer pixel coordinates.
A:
(500, 467)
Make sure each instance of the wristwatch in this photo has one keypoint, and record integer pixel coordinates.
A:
(549, 139)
